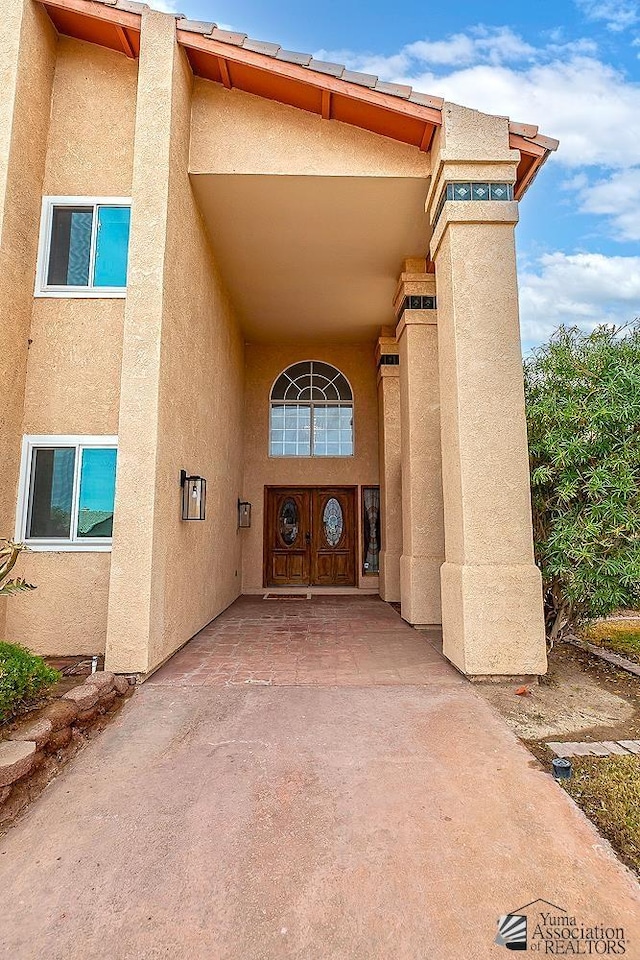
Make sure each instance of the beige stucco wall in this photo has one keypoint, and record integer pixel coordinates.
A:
(237, 132)
(27, 61)
(200, 421)
(73, 370)
(181, 404)
(67, 613)
(90, 150)
(264, 362)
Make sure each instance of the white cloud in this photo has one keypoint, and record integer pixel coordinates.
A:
(618, 197)
(582, 288)
(481, 44)
(589, 105)
(617, 14)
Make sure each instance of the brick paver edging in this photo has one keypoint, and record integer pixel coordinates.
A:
(602, 748)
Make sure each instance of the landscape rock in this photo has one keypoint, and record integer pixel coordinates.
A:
(84, 697)
(107, 699)
(61, 713)
(60, 739)
(39, 731)
(86, 715)
(121, 685)
(102, 679)
(16, 759)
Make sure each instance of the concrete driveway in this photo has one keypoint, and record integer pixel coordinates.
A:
(316, 821)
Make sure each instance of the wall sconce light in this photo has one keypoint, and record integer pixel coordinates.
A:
(244, 513)
(194, 496)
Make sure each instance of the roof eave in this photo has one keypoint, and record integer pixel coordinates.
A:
(330, 90)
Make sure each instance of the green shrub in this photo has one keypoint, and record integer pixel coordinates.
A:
(22, 675)
(583, 417)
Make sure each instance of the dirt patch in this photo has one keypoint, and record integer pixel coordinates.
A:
(581, 698)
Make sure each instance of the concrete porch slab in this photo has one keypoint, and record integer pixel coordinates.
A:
(335, 640)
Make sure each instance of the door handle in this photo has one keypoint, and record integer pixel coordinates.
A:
(307, 537)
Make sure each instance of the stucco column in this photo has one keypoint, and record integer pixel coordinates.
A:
(27, 62)
(422, 516)
(387, 361)
(491, 588)
(137, 561)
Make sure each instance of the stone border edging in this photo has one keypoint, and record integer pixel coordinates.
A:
(615, 658)
(33, 743)
(599, 748)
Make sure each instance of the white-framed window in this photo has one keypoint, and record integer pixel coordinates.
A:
(66, 494)
(84, 247)
(311, 412)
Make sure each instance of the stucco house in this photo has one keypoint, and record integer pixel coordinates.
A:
(223, 261)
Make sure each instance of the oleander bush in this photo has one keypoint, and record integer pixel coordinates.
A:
(583, 415)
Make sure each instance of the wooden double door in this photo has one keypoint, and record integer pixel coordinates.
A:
(310, 536)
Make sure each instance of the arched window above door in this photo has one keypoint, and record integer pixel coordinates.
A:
(311, 412)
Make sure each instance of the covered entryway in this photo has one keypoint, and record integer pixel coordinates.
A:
(310, 536)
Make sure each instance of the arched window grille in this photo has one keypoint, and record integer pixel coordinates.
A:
(311, 412)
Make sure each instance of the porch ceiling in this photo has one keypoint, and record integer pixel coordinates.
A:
(311, 257)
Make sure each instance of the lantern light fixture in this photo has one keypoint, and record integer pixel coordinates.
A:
(194, 496)
(244, 514)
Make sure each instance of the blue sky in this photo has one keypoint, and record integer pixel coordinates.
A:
(570, 66)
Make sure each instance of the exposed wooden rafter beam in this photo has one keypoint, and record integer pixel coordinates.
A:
(224, 73)
(427, 137)
(326, 104)
(123, 36)
(126, 25)
(526, 146)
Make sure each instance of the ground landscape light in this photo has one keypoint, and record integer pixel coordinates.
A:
(194, 496)
(561, 768)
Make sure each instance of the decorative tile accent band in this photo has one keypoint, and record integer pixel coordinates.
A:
(473, 191)
(418, 303)
(389, 360)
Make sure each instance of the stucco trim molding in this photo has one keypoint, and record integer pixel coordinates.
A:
(472, 211)
(416, 318)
